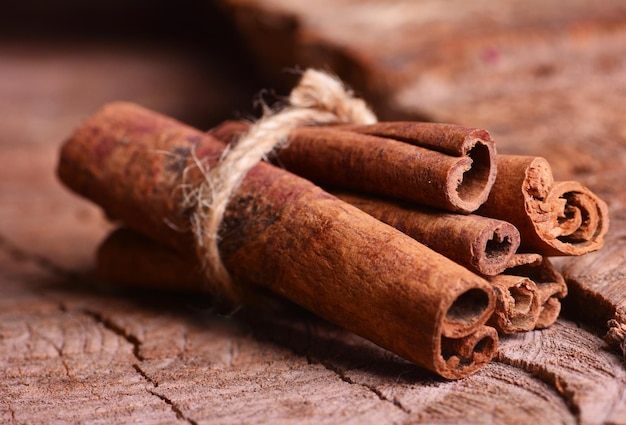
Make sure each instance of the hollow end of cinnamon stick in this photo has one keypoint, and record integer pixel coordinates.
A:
(494, 248)
(468, 311)
(470, 182)
(549, 312)
(517, 304)
(581, 219)
(460, 357)
(551, 288)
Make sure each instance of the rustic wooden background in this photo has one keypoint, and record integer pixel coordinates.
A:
(544, 77)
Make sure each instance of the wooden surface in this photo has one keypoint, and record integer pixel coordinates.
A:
(76, 350)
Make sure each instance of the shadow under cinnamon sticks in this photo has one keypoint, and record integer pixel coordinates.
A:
(283, 234)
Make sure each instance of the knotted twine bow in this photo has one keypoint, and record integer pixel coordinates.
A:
(318, 99)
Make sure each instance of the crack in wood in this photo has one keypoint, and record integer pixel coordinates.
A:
(59, 350)
(162, 397)
(371, 388)
(136, 343)
(544, 375)
(67, 370)
(341, 374)
(118, 330)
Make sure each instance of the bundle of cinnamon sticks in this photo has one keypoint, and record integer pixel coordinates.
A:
(423, 239)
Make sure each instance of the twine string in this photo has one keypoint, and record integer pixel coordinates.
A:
(318, 99)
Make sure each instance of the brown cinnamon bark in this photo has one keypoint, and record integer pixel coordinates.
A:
(474, 348)
(518, 304)
(131, 259)
(438, 165)
(553, 218)
(474, 176)
(520, 259)
(551, 288)
(285, 235)
(483, 245)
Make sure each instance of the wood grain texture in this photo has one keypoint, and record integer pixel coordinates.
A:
(592, 386)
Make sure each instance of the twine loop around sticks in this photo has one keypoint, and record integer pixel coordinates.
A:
(318, 99)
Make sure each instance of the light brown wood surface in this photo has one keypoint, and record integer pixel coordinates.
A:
(75, 350)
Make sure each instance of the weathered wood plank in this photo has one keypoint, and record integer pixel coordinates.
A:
(590, 378)
(62, 367)
(207, 368)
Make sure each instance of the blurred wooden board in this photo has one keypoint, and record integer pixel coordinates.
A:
(74, 350)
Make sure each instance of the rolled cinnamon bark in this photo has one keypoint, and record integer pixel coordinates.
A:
(520, 259)
(454, 171)
(474, 348)
(471, 181)
(131, 259)
(518, 304)
(283, 234)
(483, 245)
(553, 218)
(551, 288)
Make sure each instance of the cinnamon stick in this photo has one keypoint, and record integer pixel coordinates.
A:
(551, 288)
(283, 234)
(474, 178)
(131, 259)
(483, 245)
(438, 165)
(520, 259)
(518, 304)
(553, 218)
